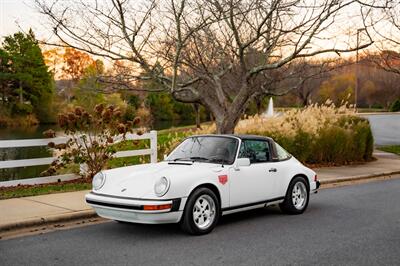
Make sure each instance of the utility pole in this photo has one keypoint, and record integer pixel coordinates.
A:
(356, 85)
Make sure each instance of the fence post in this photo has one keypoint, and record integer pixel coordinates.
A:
(83, 169)
(153, 146)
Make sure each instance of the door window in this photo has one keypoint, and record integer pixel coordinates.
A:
(256, 150)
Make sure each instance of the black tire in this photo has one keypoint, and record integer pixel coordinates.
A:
(188, 223)
(288, 206)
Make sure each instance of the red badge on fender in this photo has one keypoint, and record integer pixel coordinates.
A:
(223, 179)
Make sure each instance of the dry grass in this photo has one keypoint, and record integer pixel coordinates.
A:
(311, 120)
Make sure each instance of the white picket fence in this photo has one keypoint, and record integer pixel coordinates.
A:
(152, 151)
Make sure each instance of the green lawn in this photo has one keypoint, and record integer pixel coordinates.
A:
(164, 137)
(25, 191)
(371, 110)
(392, 149)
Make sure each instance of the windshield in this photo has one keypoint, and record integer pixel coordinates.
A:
(206, 149)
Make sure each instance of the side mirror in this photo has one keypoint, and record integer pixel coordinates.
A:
(242, 162)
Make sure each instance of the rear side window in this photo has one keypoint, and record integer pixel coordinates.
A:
(256, 150)
(281, 152)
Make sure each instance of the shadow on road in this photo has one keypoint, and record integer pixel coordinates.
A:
(262, 215)
(250, 215)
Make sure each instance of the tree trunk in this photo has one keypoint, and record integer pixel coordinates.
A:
(226, 123)
(228, 115)
(305, 101)
(3, 93)
(197, 111)
(21, 97)
(259, 105)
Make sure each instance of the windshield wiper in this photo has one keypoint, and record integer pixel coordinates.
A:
(199, 158)
(181, 159)
(219, 160)
(194, 158)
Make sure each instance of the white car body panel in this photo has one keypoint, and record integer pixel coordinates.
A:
(127, 189)
(251, 179)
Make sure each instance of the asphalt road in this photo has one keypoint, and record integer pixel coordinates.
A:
(351, 225)
(385, 128)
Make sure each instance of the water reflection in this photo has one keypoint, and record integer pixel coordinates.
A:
(19, 154)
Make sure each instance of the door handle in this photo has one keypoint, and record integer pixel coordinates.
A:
(272, 170)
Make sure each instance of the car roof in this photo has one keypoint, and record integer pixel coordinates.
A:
(240, 136)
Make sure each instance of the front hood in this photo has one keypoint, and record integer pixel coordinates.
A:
(138, 180)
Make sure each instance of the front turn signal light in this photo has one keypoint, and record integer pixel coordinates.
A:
(157, 207)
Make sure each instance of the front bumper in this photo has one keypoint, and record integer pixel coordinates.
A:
(132, 210)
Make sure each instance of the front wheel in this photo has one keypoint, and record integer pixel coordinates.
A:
(297, 197)
(201, 213)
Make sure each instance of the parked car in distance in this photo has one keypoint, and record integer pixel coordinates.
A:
(204, 177)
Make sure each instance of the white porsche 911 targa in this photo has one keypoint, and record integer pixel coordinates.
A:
(205, 177)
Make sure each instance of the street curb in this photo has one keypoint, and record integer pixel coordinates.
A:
(65, 217)
(358, 177)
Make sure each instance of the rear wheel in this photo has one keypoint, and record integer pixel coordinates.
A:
(297, 197)
(201, 213)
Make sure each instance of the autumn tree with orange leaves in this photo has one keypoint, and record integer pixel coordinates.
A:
(68, 63)
(75, 63)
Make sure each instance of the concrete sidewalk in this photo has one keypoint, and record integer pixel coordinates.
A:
(60, 207)
(36, 210)
(386, 164)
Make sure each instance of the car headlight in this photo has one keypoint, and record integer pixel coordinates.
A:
(98, 180)
(161, 186)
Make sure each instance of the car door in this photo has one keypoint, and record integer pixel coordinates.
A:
(253, 183)
(282, 164)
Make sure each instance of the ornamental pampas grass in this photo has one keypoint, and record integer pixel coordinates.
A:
(309, 120)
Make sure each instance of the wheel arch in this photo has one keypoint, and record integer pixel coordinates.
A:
(210, 186)
(287, 205)
(302, 176)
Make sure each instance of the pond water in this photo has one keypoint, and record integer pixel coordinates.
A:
(38, 152)
(23, 153)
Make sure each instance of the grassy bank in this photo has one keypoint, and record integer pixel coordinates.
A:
(26, 191)
(392, 149)
(18, 121)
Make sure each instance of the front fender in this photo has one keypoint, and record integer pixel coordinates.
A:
(182, 186)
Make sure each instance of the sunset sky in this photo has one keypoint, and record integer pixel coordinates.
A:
(19, 15)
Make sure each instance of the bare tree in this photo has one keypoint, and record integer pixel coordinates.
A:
(200, 43)
(312, 74)
(302, 77)
(387, 84)
(387, 26)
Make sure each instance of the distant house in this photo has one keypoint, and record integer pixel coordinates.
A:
(64, 88)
